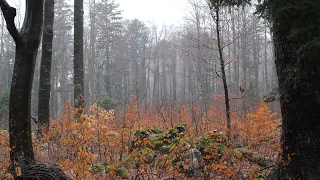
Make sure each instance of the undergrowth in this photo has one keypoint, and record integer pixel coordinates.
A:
(156, 143)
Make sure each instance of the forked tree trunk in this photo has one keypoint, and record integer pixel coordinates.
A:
(27, 42)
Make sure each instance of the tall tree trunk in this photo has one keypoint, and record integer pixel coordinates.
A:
(2, 63)
(27, 42)
(45, 70)
(235, 54)
(256, 59)
(299, 87)
(163, 83)
(92, 72)
(78, 55)
(265, 59)
(108, 62)
(174, 75)
(184, 80)
(222, 66)
(244, 51)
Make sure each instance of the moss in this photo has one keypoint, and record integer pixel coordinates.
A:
(156, 131)
(238, 145)
(141, 134)
(148, 153)
(105, 163)
(122, 172)
(158, 141)
(247, 154)
(2, 176)
(260, 177)
(177, 129)
(164, 149)
(211, 141)
(96, 168)
(261, 161)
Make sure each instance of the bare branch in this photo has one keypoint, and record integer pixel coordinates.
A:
(217, 72)
(9, 14)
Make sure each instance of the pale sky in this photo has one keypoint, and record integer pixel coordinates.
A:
(161, 12)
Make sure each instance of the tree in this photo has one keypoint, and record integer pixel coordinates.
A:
(27, 42)
(108, 28)
(296, 40)
(78, 55)
(45, 70)
(215, 13)
(62, 58)
(137, 36)
(92, 59)
(295, 28)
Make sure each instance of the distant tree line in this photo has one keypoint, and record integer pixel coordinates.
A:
(174, 65)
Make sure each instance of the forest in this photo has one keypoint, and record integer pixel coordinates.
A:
(232, 91)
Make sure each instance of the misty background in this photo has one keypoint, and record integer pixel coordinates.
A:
(163, 53)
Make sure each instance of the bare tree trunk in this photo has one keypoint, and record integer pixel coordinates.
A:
(266, 59)
(235, 54)
(45, 70)
(244, 51)
(2, 60)
(222, 66)
(256, 59)
(174, 76)
(92, 73)
(78, 55)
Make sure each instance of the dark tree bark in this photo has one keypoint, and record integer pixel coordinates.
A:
(78, 55)
(295, 28)
(45, 70)
(298, 75)
(27, 42)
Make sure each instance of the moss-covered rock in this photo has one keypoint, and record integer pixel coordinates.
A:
(261, 161)
(175, 148)
(121, 172)
(176, 130)
(145, 133)
(97, 168)
(212, 141)
(245, 153)
(142, 134)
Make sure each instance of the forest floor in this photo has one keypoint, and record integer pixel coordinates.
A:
(157, 144)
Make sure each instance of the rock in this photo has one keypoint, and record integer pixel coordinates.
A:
(180, 128)
(142, 134)
(210, 141)
(194, 161)
(195, 157)
(42, 171)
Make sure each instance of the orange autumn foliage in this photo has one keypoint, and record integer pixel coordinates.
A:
(260, 127)
(94, 145)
